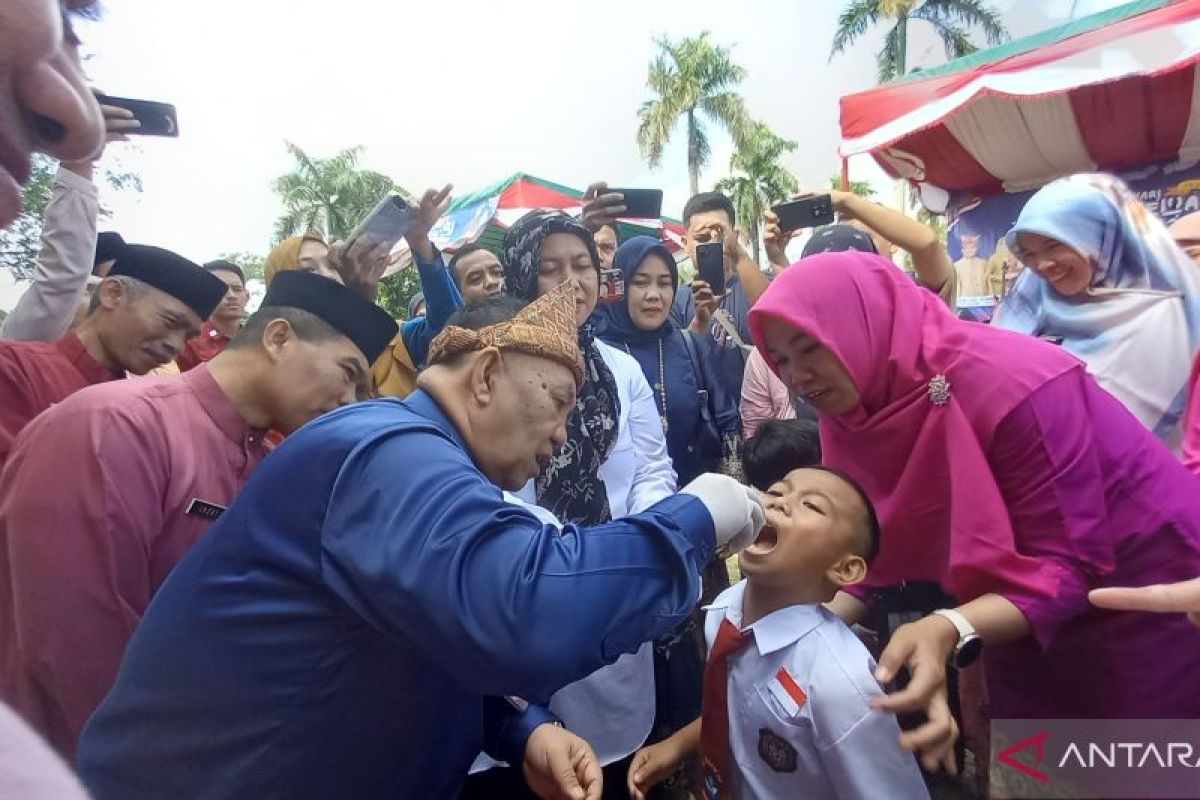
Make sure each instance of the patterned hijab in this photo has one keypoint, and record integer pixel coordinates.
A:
(1138, 324)
(570, 486)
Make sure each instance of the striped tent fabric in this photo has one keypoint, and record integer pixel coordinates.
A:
(1108, 92)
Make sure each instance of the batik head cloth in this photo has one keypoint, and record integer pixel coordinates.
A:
(545, 328)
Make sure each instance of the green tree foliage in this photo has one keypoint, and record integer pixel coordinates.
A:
(328, 196)
(860, 188)
(951, 19)
(758, 179)
(694, 79)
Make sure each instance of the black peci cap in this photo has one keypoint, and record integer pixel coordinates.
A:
(359, 320)
(188, 282)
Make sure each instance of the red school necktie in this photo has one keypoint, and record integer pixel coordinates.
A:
(714, 724)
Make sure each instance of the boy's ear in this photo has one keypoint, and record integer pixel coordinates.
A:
(849, 570)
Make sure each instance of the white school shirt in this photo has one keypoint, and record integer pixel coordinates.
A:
(613, 708)
(800, 723)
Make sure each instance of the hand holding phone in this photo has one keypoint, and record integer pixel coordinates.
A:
(155, 119)
(640, 203)
(388, 221)
(807, 212)
(710, 265)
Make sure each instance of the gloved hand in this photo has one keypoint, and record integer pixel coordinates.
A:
(736, 510)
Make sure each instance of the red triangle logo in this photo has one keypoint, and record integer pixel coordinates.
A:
(1038, 741)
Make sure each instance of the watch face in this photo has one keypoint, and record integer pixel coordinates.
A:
(968, 650)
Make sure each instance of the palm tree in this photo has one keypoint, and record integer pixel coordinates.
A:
(328, 196)
(950, 18)
(694, 79)
(758, 179)
(860, 188)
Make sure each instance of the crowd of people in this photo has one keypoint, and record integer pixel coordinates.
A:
(484, 552)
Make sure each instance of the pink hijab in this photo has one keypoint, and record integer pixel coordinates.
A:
(920, 454)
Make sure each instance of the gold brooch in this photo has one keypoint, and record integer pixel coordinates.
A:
(939, 390)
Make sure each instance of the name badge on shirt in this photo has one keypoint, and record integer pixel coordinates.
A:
(203, 508)
(776, 751)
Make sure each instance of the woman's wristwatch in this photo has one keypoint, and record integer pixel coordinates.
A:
(969, 645)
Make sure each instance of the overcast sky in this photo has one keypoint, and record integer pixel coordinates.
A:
(464, 92)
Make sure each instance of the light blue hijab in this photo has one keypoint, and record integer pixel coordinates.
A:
(1137, 325)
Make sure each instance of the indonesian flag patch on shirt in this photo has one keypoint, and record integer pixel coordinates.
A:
(787, 692)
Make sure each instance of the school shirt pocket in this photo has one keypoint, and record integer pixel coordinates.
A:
(777, 753)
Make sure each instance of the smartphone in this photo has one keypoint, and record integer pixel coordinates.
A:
(158, 119)
(388, 221)
(807, 213)
(710, 265)
(640, 203)
(612, 286)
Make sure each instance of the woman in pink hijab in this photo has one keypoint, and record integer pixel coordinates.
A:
(1003, 472)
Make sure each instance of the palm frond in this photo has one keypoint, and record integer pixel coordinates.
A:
(655, 120)
(729, 109)
(968, 13)
(888, 58)
(955, 40)
(853, 23)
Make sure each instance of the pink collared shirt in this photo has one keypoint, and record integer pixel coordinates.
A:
(764, 396)
(101, 496)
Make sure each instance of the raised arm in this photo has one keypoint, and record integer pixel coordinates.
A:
(929, 256)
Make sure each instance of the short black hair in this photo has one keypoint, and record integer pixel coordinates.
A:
(487, 311)
(870, 533)
(709, 201)
(484, 312)
(778, 447)
(463, 252)
(307, 325)
(616, 229)
(222, 265)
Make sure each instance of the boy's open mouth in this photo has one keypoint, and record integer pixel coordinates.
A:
(765, 543)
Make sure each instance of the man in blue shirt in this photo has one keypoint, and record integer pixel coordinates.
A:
(336, 631)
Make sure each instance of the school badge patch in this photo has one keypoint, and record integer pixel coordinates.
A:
(776, 751)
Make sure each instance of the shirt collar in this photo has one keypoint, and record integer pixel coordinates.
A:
(208, 332)
(216, 403)
(776, 630)
(421, 402)
(92, 370)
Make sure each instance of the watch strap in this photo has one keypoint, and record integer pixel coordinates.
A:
(961, 624)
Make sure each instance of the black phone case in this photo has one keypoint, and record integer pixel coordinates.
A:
(807, 213)
(158, 119)
(711, 268)
(641, 203)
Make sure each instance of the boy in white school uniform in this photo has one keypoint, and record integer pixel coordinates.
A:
(788, 687)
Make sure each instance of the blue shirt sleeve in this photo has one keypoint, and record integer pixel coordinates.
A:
(506, 730)
(420, 545)
(441, 300)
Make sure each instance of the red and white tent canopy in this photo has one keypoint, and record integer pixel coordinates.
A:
(1111, 91)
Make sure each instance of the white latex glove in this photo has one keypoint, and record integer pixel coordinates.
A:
(736, 510)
